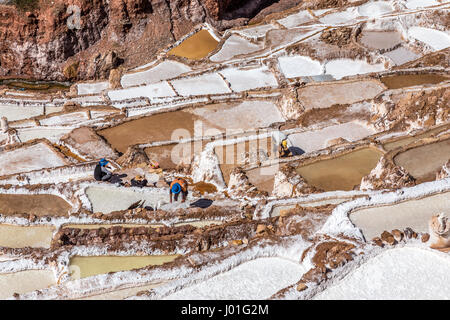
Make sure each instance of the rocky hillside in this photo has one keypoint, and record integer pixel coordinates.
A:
(47, 42)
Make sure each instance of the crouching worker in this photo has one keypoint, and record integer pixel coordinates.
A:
(178, 186)
(100, 172)
(284, 150)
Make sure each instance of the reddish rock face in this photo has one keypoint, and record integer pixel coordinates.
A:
(44, 43)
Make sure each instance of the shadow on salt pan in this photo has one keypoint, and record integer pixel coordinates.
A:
(257, 279)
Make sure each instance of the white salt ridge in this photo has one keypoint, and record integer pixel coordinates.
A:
(397, 274)
(92, 88)
(243, 79)
(299, 66)
(234, 45)
(340, 68)
(375, 9)
(163, 71)
(415, 4)
(296, 19)
(161, 89)
(65, 119)
(205, 84)
(257, 279)
(436, 39)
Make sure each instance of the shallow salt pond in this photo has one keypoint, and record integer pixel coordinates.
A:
(121, 294)
(83, 267)
(196, 47)
(37, 204)
(436, 39)
(299, 66)
(409, 80)
(233, 46)
(343, 172)
(276, 211)
(405, 140)
(255, 280)
(412, 213)
(107, 200)
(425, 161)
(341, 68)
(21, 237)
(25, 281)
(396, 274)
(380, 39)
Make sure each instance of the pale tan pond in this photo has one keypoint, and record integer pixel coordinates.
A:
(37, 204)
(404, 141)
(343, 172)
(425, 161)
(409, 80)
(82, 267)
(21, 237)
(25, 281)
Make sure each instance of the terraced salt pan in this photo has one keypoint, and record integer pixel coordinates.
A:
(310, 141)
(197, 46)
(83, 267)
(65, 119)
(375, 9)
(165, 70)
(36, 204)
(253, 280)
(425, 161)
(343, 172)
(247, 79)
(340, 17)
(260, 113)
(380, 39)
(13, 112)
(52, 134)
(325, 95)
(255, 32)
(92, 88)
(21, 237)
(157, 90)
(299, 66)
(35, 157)
(403, 273)
(107, 200)
(413, 213)
(401, 55)
(436, 39)
(205, 84)
(340, 68)
(296, 19)
(25, 281)
(233, 46)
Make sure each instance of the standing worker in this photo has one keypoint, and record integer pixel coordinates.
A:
(100, 172)
(178, 186)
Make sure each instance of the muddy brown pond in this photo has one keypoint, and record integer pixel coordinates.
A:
(343, 172)
(37, 204)
(409, 80)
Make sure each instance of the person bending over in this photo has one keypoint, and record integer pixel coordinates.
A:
(100, 172)
(178, 186)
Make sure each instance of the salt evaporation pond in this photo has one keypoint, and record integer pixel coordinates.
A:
(21, 237)
(299, 66)
(25, 281)
(414, 214)
(253, 280)
(436, 39)
(340, 68)
(396, 274)
(196, 47)
(83, 267)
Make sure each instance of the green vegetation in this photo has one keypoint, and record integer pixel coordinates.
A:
(25, 5)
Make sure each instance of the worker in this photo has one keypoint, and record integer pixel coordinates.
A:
(101, 173)
(178, 186)
(284, 150)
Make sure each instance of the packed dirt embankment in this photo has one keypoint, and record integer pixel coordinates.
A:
(50, 40)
